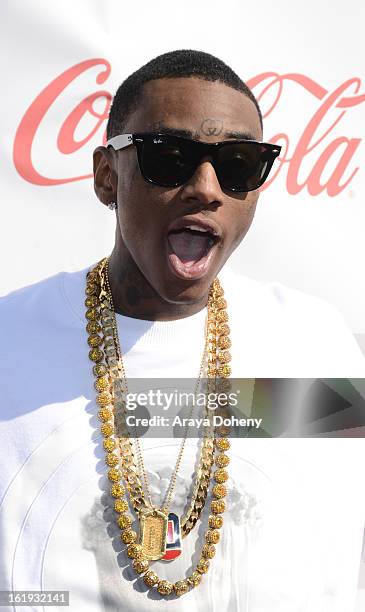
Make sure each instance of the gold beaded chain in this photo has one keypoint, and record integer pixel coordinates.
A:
(99, 321)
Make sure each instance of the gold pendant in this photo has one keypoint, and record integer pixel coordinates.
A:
(153, 534)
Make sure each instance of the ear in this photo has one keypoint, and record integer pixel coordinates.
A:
(105, 175)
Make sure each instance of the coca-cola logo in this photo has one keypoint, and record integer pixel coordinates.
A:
(332, 165)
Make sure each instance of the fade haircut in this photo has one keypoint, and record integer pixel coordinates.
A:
(181, 63)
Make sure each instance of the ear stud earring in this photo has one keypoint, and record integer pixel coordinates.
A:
(112, 205)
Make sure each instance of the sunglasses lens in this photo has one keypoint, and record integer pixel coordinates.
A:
(170, 161)
(242, 166)
(166, 161)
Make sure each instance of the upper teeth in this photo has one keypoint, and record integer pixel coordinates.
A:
(197, 228)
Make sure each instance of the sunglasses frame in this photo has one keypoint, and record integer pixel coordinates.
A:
(123, 141)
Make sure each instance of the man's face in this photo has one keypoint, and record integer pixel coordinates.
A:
(181, 266)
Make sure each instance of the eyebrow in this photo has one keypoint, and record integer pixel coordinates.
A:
(165, 129)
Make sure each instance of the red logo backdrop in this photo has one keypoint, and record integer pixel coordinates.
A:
(336, 153)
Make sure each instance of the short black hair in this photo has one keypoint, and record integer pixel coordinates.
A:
(180, 63)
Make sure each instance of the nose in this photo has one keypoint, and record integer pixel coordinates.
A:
(203, 186)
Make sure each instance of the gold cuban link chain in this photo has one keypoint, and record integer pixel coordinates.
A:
(218, 358)
(105, 376)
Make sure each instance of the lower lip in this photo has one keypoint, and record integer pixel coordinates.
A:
(193, 272)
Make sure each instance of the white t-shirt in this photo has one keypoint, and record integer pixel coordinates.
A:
(292, 534)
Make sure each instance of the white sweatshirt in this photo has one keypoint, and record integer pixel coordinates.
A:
(292, 534)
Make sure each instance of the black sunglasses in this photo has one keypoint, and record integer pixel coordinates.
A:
(170, 161)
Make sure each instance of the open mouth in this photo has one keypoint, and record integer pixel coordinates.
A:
(191, 248)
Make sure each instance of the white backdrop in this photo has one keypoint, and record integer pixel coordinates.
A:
(303, 60)
(306, 60)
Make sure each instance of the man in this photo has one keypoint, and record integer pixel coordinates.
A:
(292, 531)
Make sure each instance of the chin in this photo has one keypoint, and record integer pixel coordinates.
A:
(177, 291)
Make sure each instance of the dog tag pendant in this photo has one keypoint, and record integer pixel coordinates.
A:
(153, 534)
(173, 538)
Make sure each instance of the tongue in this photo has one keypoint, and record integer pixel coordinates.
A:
(188, 246)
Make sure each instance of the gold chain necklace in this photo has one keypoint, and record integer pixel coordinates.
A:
(141, 467)
(203, 473)
(110, 400)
